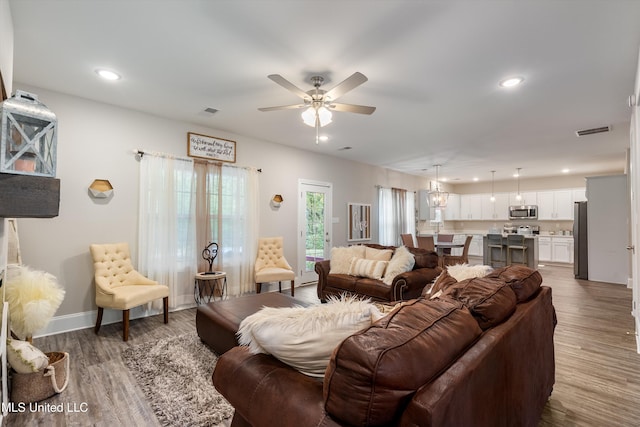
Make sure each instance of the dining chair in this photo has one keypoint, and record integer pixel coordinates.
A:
(462, 259)
(407, 240)
(445, 238)
(120, 287)
(426, 242)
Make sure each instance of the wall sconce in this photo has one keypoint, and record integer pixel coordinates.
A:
(276, 201)
(101, 188)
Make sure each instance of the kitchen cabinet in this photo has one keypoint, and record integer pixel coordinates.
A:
(544, 249)
(496, 210)
(471, 206)
(452, 211)
(527, 198)
(562, 249)
(555, 205)
(423, 212)
(579, 194)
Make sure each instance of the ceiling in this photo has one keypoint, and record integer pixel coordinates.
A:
(433, 69)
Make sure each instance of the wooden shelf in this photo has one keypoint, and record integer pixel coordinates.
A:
(27, 196)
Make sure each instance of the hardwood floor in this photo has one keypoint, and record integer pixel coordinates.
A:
(597, 367)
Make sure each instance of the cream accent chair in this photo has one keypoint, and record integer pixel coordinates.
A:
(271, 265)
(120, 287)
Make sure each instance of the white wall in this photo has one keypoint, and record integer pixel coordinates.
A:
(95, 141)
(6, 45)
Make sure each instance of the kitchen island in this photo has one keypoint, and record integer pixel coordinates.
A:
(530, 241)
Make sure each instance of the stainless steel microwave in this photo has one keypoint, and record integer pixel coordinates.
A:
(523, 212)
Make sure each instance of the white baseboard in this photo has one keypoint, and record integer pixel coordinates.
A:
(87, 319)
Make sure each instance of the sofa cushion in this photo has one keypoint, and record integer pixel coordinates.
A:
(401, 261)
(442, 282)
(424, 258)
(490, 300)
(373, 373)
(341, 258)
(367, 268)
(524, 281)
(377, 254)
(304, 337)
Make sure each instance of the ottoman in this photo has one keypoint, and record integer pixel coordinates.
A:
(217, 322)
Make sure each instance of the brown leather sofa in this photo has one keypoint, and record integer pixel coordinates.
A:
(405, 286)
(480, 355)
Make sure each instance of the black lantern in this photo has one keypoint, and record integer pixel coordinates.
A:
(28, 136)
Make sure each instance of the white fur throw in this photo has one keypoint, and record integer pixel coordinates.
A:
(304, 338)
(33, 297)
(341, 258)
(401, 261)
(461, 272)
(367, 268)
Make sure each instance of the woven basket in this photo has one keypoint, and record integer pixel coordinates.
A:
(43, 384)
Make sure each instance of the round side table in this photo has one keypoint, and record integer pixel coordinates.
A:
(208, 286)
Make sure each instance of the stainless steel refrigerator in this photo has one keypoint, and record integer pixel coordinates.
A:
(580, 248)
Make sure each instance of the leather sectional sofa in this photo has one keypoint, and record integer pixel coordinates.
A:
(405, 286)
(481, 354)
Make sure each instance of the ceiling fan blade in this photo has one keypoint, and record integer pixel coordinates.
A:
(350, 83)
(351, 108)
(288, 85)
(283, 107)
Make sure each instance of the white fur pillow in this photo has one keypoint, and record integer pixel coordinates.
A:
(24, 358)
(401, 261)
(461, 272)
(304, 338)
(377, 254)
(341, 258)
(367, 268)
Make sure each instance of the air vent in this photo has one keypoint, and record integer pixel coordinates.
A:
(345, 148)
(210, 110)
(592, 131)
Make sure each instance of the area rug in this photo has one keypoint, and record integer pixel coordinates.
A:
(175, 376)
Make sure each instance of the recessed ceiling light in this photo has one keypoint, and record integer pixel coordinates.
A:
(324, 138)
(565, 170)
(475, 178)
(511, 81)
(107, 74)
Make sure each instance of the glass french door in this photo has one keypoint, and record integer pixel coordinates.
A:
(314, 227)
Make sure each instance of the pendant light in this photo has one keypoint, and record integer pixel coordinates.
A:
(437, 197)
(518, 196)
(493, 195)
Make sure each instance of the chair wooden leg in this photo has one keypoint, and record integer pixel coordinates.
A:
(99, 319)
(125, 325)
(279, 286)
(166, 309)
(292, 282)
(258, 287)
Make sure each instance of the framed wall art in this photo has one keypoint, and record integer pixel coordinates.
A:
(211, 147)
(359, 222)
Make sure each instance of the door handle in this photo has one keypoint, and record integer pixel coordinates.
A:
(632, 249)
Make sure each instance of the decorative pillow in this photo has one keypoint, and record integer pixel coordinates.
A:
(424, 258)
(304, 338)
(367, 268)
(401, 261)
(341, 258)
(378, 254)
(24, 358)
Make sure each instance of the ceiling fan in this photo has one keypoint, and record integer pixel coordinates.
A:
(318, 103)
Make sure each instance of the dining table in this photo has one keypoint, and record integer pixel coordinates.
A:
(441, 246)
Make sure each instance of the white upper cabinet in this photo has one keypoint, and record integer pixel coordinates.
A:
(555, 205)
(526, 198)
(470, 206)
(452, 211)
(496, 210)
(579, 194)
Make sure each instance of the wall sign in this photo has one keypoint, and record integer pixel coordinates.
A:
(211, 147)
(359, 222)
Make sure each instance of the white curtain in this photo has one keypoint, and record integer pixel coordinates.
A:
(396, 215)
(167, 249)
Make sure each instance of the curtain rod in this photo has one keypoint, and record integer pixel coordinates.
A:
(141, 153)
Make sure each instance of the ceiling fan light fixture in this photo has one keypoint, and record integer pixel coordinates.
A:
(324, 115)
(309, 116)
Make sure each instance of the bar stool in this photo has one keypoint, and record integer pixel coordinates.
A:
(515, 242)
(494, 244)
